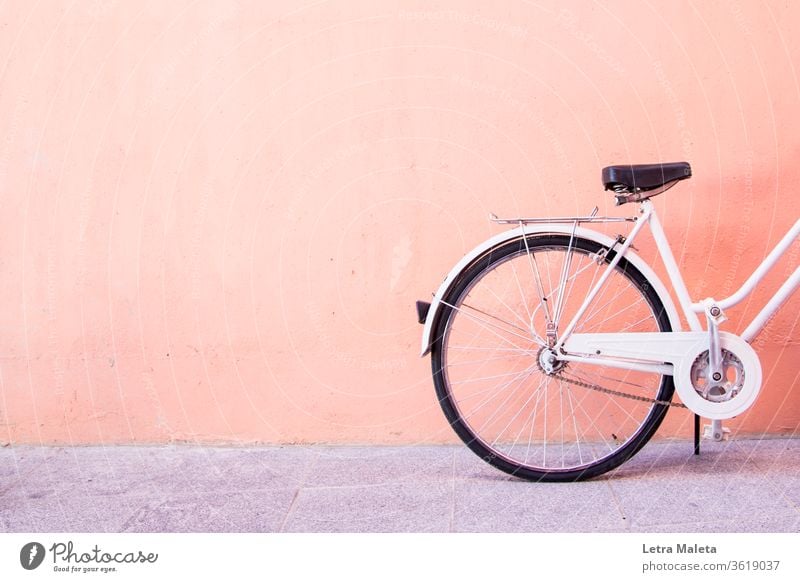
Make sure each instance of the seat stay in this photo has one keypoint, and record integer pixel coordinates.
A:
(648, 216)
(647, 212)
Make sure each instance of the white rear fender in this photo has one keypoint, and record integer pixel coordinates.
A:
(518, 233)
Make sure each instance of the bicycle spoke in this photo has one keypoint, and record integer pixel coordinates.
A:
(514, 313)
(561, 416)
(513, 418)
(487, 326)
(516, 350)
(597, 429)
(473, 380)
(636, 323)
(497, 390)
(524, 424)
(599, 309)
(480, 361)
(613, 400)
(544, 430)
(533, 424)
(522, 293)
(508, 323)
(611, 317)
(574, 421)
(520, 384)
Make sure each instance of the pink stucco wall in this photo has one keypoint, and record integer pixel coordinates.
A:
(217, 215)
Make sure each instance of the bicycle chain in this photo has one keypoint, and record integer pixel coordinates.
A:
(617, 393)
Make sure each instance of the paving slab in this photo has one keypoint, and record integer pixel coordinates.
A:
(67, 513)
(668, 488)
(744, 485)
(257, 511)
(153, 471)
(512, 505)
(394, 507)
(355, 466)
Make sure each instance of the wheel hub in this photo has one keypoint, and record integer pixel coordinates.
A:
(548, 361)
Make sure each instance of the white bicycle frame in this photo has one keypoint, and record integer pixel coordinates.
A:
(674, 352)
(714, 310)
(666, 353)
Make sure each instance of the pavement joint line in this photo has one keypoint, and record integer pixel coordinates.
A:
(289, 511)
(301, 484)
(618, 503)
(451, 525)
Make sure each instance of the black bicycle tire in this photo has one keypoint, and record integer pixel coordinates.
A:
(492, 257)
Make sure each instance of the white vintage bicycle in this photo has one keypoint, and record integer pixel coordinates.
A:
(556, 349)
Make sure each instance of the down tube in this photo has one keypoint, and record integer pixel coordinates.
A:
(760, 320)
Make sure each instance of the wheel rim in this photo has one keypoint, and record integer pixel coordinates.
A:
(502, 402)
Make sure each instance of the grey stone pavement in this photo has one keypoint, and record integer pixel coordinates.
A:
(736, 486)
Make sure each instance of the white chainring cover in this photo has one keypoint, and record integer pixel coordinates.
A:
(728, 408)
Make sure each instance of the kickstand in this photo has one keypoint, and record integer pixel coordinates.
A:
(696, 434)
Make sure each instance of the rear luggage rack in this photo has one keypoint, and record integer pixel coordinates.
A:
(592, 217)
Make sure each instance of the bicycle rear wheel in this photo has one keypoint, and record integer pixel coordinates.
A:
(490, 332)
